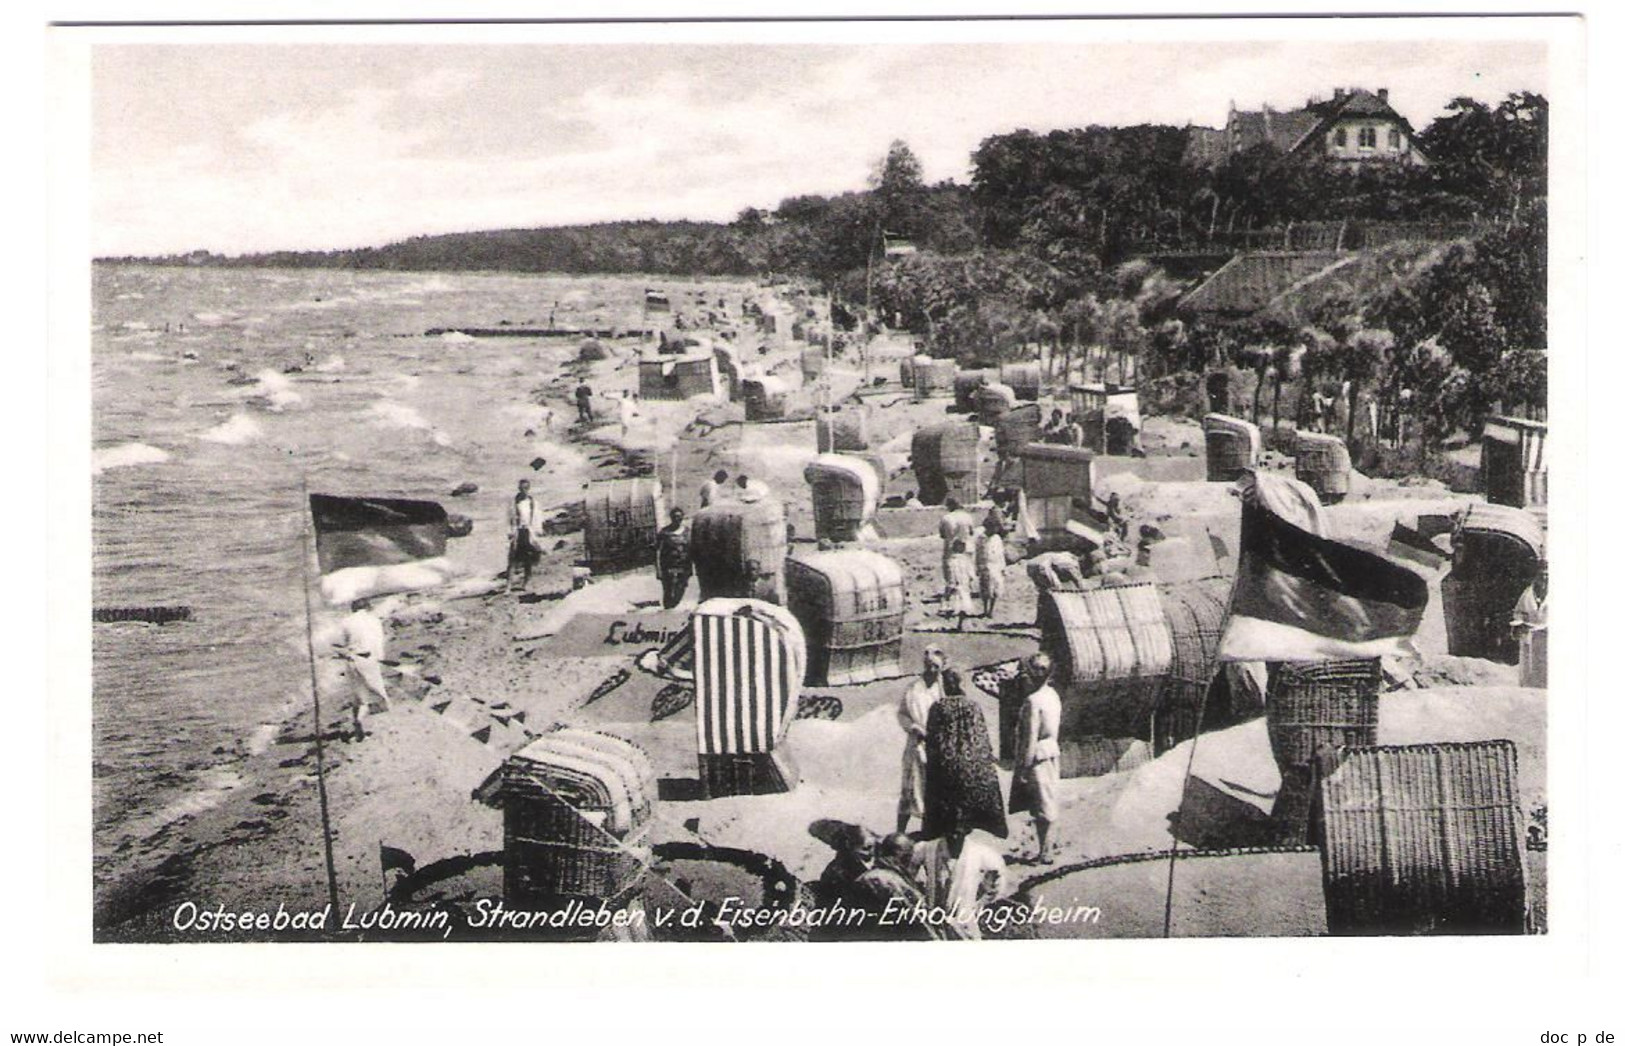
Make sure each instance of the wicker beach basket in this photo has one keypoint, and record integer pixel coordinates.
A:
(1232, 447)
(622, 519)
(851, 607)
(738, 550)
(946, 462)
(1323, 463)
(845, 495)
(1425, 839)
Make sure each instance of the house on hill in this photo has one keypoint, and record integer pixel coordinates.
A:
(1354, 128)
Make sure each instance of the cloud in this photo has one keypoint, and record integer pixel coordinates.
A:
(243, 148)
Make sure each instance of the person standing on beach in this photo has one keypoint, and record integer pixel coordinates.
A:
(956, 525)
(990, 563)
(913, 715)
(362, 648)
(711, 489)
(672, 562)
(962, 779)
(1038, 754)
(961, 578)
(584, 403)
(521, 546)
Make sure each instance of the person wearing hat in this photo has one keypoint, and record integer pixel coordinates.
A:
(914, 715)
(1037, 780)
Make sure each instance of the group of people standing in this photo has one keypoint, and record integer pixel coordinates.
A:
(950, 780)
(973, 561)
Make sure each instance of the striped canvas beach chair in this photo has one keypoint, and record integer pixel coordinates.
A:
(749, 658)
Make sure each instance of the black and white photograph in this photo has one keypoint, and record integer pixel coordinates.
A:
(929, 490)
(1056, 504)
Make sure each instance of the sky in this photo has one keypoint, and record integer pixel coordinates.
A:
(238, 148)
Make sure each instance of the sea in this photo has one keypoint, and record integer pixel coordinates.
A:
(220, 396)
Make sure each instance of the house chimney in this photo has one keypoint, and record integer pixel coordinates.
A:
(1382, 94)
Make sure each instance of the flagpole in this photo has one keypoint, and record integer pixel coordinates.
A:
(316, 703)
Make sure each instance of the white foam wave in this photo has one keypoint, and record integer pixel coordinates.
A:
(125, 455)
(331, 364)
(238, 430)
(274, 389)
(456, 338)
(398, 415)
(148, 357)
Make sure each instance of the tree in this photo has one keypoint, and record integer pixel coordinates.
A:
(898, 189)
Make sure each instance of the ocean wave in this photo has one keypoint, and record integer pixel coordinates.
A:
(125, 455)
(456, 338)
(209, 791)
(331, 364)
(148, 357)
(398, 415)
(274, 389)
(238, 430)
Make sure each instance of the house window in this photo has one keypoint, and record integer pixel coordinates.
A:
(1393, 138)
(1368, 137)
(1340, 137)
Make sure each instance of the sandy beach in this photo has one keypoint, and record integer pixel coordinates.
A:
(475, 672)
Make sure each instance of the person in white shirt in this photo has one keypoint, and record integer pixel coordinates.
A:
(913, 715)
(1037, 777)
(362, 648)
(956, 525)
(711, 490)
(1529, 626)
(521, 528)
(960, 873)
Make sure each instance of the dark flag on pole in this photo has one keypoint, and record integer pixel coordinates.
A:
(1301, 596)
(373, 546)
(394, 859)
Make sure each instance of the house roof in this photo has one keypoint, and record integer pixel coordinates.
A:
(1288, 130)
(1249, 282)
